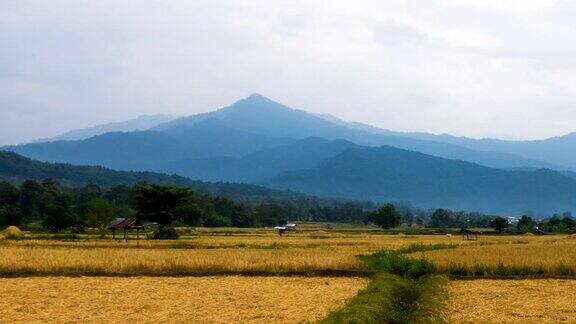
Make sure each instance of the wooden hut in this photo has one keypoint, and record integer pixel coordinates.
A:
(126, 224)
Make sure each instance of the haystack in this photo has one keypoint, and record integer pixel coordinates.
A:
(12, 232)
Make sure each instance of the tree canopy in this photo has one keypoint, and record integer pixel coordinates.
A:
(386, 217)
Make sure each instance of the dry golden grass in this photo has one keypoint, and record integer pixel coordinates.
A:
(266, 253)
(547, 255)
(259, 251)
(367, 242)
(111, 261)
(512, 301)
(230, 299)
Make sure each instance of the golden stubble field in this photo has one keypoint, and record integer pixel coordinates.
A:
(546, 253)
(210, 253)
(222, 299)
(153, 273)
(512, 301)
(214, 252)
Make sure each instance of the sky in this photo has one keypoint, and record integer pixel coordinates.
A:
(477, 68)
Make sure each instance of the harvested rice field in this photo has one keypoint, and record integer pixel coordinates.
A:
(512, 301)
(267, 253)
(230, 299)
(165, 262)
(253, 275)
(534, 257)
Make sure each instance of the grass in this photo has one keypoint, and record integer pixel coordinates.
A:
(511, 301)
(535, 259)
(407, 270)
(261, 252)
(404, 290)
(421, 247)
(222, 299)
(392, 299)
(27, 261)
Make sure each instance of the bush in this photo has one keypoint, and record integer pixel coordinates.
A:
(167, 233)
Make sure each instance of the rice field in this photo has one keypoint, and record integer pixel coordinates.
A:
(174, 262)
(547, 257)
(512, 301)
(223, 299)
(263, 252)
(257, 253)
(210, 275)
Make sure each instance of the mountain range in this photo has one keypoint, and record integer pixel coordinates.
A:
(139, 123)
(390, 174)
(259, 141)
(16, 168)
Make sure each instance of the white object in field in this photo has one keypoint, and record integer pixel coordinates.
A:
(290, 227)
(449, 235)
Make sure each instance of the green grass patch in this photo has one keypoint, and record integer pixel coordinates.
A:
(394, 263)
(501, 270)
(393, 299)
(403, 290)
(419, 247)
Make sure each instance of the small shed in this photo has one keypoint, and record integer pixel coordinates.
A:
(126, 224)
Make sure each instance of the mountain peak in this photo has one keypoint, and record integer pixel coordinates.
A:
(256, 100)
(256, 96)
(255, 104)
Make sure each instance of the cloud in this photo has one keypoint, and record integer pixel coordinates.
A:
(475, 68)
(394, 34)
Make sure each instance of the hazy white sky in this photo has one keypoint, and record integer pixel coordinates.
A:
(468, 67)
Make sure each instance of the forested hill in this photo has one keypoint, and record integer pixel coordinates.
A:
(390, 174)
(16, 168)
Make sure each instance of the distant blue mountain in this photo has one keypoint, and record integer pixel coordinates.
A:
(137, 124)
(16, 168)
(556, 153)
(149, 150)
(257, 140)
(263, 164)
(260, 115)
(209, 145)
(391, 174)
(556, 150)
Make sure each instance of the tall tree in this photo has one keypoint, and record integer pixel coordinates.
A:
(386, 217)
(100, 212)
(499, 224)
(525, 224)
(58, 214)
(8, 194)
(159, 204)
(442, 218)
(30, 199)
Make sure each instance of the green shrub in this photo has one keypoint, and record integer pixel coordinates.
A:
(166, 233)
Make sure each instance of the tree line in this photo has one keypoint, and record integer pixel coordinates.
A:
(49, 205)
